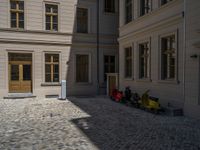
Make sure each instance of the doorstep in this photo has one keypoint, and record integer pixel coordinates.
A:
(19, 96)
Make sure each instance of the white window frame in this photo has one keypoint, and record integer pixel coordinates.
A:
(44, 15)
(175, 80)
(139, 6)
(139, 78)
(60, 67)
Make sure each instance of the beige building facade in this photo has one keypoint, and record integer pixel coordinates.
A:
(45, 42)
(156, 47)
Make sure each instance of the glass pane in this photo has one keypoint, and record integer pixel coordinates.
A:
(21, 16)
(55, 27)
(56, 69)
(21, 5)
(48, 8)
(47, 77)
(55, 8)
(48, 19)
(47, 68)
(56, 77)
(48, 26)
(112, 59)
(21, 24)
(14, 72)
(20, 57)
(55, 19)
(13, 16)
(13, 4)
(26, 72)
(13, 24)
(55, 58)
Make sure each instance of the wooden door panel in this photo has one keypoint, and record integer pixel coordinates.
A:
(20, 77)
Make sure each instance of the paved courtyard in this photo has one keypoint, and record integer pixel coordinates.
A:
(91, 124)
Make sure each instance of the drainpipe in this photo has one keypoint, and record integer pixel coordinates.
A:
(184, 51)
(97, 46)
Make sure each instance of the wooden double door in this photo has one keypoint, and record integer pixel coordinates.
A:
(20, 73)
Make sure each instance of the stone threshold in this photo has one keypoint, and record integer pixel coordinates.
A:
(19, 96)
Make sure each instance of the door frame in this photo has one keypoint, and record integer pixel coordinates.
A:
(19, 63)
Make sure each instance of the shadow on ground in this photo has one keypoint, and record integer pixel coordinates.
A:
(113, 126)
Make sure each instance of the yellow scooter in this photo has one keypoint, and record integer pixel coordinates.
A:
(149, 103)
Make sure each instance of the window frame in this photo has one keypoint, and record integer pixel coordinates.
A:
(148, 73)
(44, 66)
(132, 11)
(132, 61)
(88, 22)
(17, 11)
(140, 8)
(110, 55)
(112, 11)
(175, 79)
(58, 15)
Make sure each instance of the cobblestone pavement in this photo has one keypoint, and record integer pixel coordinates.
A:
(91, 124)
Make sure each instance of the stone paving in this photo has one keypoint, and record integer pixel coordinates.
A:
(91, 124)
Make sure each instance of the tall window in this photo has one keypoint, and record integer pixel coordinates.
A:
(51, 67)
(109, 65)
(109, 6)
(82, 20)
(128, 62)
(144, 68)
(82, 68)
(145, 7)
(51, 15)
(165, 1)
(128, 11)
(168, 58)
(17, 14)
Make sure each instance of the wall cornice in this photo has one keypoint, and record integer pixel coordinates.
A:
(153, 27)
(43, 42)
(92, 35)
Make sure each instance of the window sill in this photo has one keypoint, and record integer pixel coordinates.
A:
(144, 80)
(51, 84)
(83, 83)
(128, 79)
(110, 13)
(169, 81)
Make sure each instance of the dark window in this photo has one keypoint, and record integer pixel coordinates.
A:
(51, 67)
(145, 7)
(128, 62)
(51, 14)
(128, 11)
(165, 1)
(168, 58)
(82, 68)
(82, 20)
(17, 14)
(109, 65)
(144, 60)
(109, 6)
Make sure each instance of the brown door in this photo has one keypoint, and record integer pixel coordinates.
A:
(20, 76)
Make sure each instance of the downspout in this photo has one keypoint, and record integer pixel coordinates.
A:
(184, 51)
(97, 46)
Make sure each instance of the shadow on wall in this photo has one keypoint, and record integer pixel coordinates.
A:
(79, 46)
